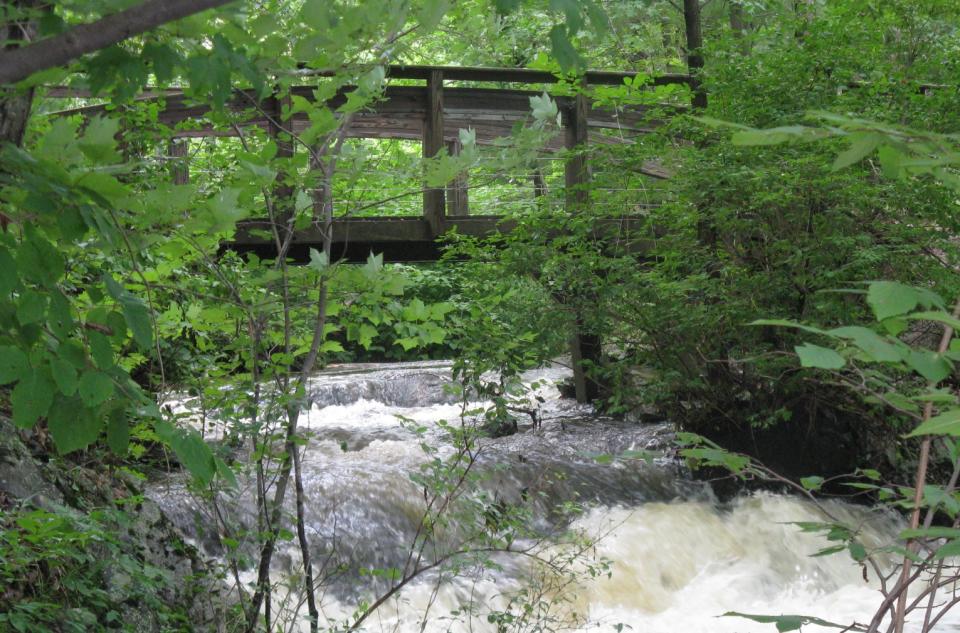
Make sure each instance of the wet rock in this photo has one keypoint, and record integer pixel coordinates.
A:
(148, 567)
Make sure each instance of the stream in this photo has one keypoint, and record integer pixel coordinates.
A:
(676, 557)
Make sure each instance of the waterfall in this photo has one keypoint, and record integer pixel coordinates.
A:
(673, 557)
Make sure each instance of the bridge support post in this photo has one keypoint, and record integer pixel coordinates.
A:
(283, 192)
(177, 151)
(457, 196)
(585, 349)
(434, 204)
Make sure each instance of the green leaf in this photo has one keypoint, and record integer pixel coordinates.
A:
(416, 310)
(786, 323)
(101, 350)
(31, 307)
(224, 470)
(31, 398)
(190, 449)
(562, 50)
(889, 299)
(38, 260)
(99, 141)
(318, 260)
(786, 622)
(812, 483)
(331, 346)
(940, 317)
(365, 335)
(225, 210)
(8, 273)
(118, 432)
(431, 13)
(857, 551)
(73, 426)
(948, 550)
(820, 357)
(13, 364)
(777, 135)
(871, 343)
(95, 387)
(947, 423)
(135, 312)
(931, 532)
(64, 375)
(861, 144)
(72, 352)
(890, 160)
(932, 366)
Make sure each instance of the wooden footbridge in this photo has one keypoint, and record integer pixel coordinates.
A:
(432, 113)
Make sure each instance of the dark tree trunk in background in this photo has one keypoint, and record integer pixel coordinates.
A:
(15, 104)
(738, 23)
(691, 20)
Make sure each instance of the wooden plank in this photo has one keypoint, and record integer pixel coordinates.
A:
(453, 73)
(522, 75)
(178, 150)
(283, 194)
(457, 196)
(433, 198)
(576, 180)
(624, 231)
(576, 176)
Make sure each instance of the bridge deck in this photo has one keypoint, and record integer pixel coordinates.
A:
(408, 239)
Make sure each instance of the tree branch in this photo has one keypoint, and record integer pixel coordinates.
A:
(19, 63)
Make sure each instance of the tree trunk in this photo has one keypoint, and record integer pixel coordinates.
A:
(15, 104)
(691, 20)
(16, 64)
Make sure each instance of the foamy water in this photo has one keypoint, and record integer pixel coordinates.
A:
(678, 559)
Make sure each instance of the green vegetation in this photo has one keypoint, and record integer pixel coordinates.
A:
(789, 310)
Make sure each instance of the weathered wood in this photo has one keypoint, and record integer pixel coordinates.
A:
(452, 73)
(576, 175)
(283, 193)
(178, 150)
(433, 198)
(492, 114)
(585, 355)
(623, 230)
(457, 189)
(694, 34)
(576, 182)
(539, 184)
(522, 75)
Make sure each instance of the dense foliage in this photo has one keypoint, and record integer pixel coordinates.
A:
(823, 163)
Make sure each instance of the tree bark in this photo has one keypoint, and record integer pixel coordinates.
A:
(691, 20)
(738, 23)
(15, 104)
(19, 63)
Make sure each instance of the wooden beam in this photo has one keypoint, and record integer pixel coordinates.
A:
(583, 348)
(521, 75)
(283, 193)
(178, 151)
(433, 198)
(576, 176)
(404, 229)
(457, 189)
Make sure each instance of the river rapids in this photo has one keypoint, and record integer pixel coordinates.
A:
(666, 555)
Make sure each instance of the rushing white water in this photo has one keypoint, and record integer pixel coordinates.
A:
(678, 559)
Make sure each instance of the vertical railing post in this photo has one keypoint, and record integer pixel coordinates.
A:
(283, 191)
(457, 197)
(584, 348)
(177, 151)
(433, 197)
